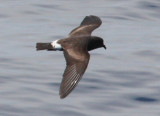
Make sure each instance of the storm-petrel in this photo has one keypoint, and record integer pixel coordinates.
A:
(75, 48)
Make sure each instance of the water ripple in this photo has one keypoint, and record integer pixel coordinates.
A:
(145, 99)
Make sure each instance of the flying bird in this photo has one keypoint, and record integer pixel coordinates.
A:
(75, 48)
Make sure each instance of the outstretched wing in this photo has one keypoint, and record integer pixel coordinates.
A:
(88, 24)
(74, 71)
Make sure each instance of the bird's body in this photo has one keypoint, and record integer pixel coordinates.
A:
(75, 49)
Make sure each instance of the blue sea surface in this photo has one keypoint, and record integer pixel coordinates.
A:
(123, 80)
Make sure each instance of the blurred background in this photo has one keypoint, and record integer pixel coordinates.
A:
(123, 80)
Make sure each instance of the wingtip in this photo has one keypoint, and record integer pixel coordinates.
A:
(62, 96)
(91, 19)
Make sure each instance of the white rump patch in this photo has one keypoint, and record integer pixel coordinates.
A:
(56, 45)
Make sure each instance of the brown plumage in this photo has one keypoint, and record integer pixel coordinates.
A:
(75, 49)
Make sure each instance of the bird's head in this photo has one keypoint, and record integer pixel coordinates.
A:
(96, 42)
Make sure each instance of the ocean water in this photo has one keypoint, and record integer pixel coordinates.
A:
(123, 80)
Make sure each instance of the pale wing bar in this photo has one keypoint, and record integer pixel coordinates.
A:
(87, 26)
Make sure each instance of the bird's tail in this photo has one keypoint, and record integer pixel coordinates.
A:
(44, 46)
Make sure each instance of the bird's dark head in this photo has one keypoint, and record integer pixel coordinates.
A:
(95, 42)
